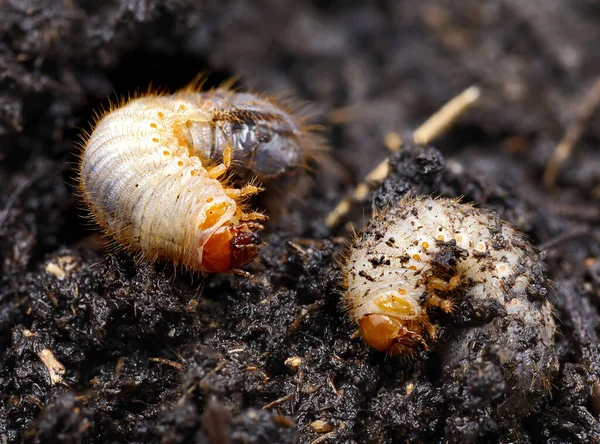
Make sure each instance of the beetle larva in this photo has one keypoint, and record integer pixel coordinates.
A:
(413, 262)
(144, 175)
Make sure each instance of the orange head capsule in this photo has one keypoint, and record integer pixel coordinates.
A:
(230, 248)
(390, 334)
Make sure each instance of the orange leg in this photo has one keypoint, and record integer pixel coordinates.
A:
(433, 331)
(227, 156)
(220, 169)
(436, 283)
(254, 215)
(246, 190)
(217, 171)
(445, 304)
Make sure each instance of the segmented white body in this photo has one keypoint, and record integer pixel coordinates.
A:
(426, 253)
(146, 187)
(406, 237)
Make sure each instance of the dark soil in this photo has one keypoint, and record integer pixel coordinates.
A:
(150, 355)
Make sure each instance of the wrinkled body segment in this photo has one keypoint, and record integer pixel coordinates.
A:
(151, 175)
(418, 259)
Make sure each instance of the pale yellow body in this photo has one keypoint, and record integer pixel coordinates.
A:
(145, 186)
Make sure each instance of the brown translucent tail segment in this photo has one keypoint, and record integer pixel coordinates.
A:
(232, 246)
(395, 336)
(299, 144)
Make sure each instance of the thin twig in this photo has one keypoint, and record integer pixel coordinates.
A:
(565, 237)
(437, 124)
(165, 361)
(427, 132)
(574, 132)
(324, 438)
(279, 401)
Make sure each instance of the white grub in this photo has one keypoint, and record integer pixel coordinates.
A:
(145, 184)
(413, 263)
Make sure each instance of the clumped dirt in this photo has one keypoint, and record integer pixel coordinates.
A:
(96, 348)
